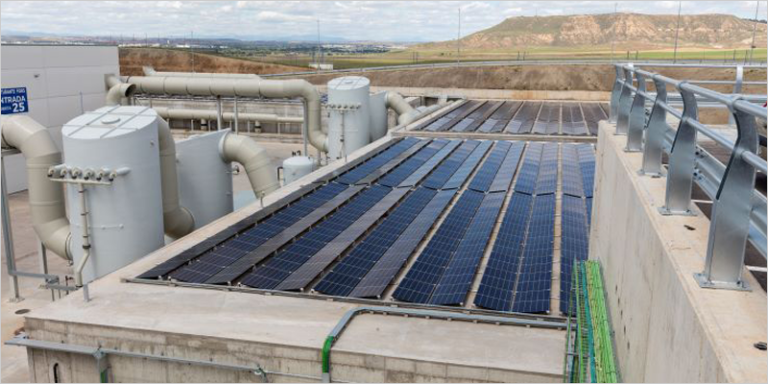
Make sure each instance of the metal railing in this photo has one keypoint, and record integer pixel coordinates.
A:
(738, 210)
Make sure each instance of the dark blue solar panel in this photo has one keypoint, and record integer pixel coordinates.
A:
(457, 279)
(280, 266)
(345, 276)
(547, 178)
(420, 282)
(524, 119)
(589, 211)
(378, 278)
(406, 168)
(587, 165)
(430, 164)
(532, 293)
(484, 177)
(356, 174)
(572, 182)
(444, 172)
(498, 281)
(574, 243)
(461, 174)
(230, 251)
(508, 168)
(529, 172)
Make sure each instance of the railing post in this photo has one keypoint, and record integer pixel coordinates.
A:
(654, 135)
(731, 209)
(625, 103)
(616, 94)
(637, 117)
(737, 86)
(682, 159)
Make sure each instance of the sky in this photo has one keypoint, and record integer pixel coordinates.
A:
(352, 20)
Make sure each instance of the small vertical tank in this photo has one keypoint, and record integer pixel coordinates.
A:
(125, 217)
(378, 107)
(348, 103)
(296, 167)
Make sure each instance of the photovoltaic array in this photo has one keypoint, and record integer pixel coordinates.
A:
(520, 117)
(415, 221)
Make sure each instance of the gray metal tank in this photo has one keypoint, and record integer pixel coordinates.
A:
(349, 123)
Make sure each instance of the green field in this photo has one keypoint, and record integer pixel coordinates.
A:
(424, 56)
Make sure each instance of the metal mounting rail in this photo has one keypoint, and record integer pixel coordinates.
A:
(739, 210)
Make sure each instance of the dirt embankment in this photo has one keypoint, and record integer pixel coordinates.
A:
(132, 59)
(545, 78)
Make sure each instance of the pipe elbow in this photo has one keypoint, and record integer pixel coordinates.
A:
(177, 220)
(253, 158)
(118, 90)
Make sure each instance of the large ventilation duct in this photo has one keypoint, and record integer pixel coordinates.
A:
(198, 86)
(254, 158)
(149, 71)
(200, 114)
(406, 114)
(118, 92)
(46, 198)
(177, 220)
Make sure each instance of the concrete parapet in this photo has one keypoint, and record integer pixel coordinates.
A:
(667, 328)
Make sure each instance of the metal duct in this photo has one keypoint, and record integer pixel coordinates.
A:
(254, 158)
(118, 91)
(201, 114)
(46, 198)
(149, 71)
(198, 86)
(177, 220)
(406, 114)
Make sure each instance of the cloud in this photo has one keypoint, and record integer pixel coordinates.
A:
(358, 20)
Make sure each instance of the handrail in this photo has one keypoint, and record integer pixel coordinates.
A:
(738, 212)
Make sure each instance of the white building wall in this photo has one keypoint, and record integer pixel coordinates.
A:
(55, 78)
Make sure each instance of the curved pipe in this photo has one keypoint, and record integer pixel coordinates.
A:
(177, 220)
(149, 71)
(199, 86)
(406, 114)
(201, 114)
(46, 198)
(118, 90)
(254, 158)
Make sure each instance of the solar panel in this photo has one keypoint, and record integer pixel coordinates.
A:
(430, 164)
(532, 293)
(529, 172)
(345, 275)
(331, 251)
(355, 174)
(508, 168)
(405, 169)
(457, 279)
(266, 228)
(500, 273)
(276, 269)
(462, 125)
(587, 167)
(589, 211)
(441, 175)
(484, 177)
(572, 181)
(461, 174)
(574, 243)
(573, 123)
(524, 119)
(482, 114)
(548, 122)
(592, 115)
(378, 278)
(547, 178)
(376, 174)
(501, 117)
(421, 279)
(466, 110)
(257, 254)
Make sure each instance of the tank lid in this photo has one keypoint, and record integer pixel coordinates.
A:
(109, 122)
(348, 82)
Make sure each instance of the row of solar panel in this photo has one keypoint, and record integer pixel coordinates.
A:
(521, 117)
(578, 170)
(324, 226)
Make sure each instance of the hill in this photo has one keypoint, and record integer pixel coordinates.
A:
(132, 59)
(628, 31)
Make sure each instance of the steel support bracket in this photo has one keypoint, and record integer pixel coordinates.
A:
(704, 282)
(615, 94)
(625, 103)
(682, 160)
(654, 135)
(636, 126)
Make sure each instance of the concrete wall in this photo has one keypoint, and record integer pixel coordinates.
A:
(667, 328)
(55, 78)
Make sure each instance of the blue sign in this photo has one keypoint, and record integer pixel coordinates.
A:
(15, 100)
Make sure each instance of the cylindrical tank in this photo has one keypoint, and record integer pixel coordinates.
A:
(378, 108)
(125, 217)
(296, 167)
(352, 92)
